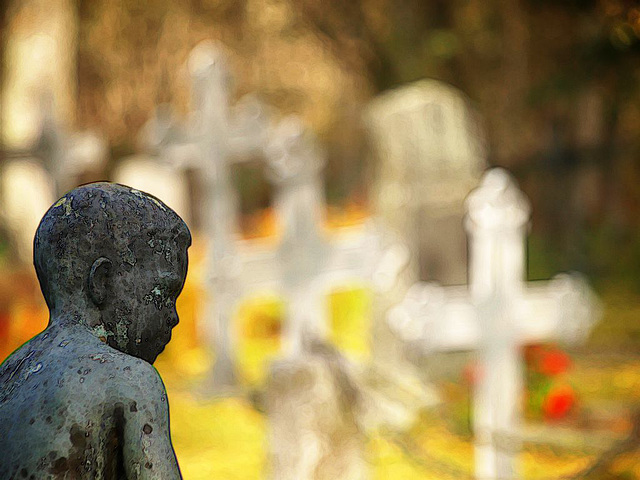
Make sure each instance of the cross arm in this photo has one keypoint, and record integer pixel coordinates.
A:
(436, 318)
(445, 318)
(363, 254)
(258, 269)
(563, 309)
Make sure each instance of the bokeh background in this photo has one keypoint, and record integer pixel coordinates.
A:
(556, 85)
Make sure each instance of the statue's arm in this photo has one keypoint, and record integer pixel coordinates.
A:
(147, 449)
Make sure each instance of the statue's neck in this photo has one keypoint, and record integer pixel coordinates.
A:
(70, 315)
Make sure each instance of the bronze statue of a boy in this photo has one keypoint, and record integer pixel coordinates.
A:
(81, 399)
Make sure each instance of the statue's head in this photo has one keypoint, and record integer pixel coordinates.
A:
(115, 259)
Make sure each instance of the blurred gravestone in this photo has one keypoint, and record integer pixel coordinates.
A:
(215, 135)
(307, 264)
(430, 154)
(38, 91)
(37, 102)
(159, 179)
(70, 158)
(39, 54)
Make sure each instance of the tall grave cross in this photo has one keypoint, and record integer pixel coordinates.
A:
(495, 315)
(308, 263)
(45, 167)
(63, 154)
(215, 136)
(304, 263)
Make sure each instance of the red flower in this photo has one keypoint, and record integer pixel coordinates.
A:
(554, 363)
(558, 402)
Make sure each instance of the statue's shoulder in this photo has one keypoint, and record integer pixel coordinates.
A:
(120, 377)
(26, 357)
(138, 378)
(141, 391)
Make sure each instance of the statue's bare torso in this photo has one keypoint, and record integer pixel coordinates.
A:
(81, 400)
(69, 401)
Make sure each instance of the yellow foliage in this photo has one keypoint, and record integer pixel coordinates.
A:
(350, 313)
(259, 324)
(219, 439)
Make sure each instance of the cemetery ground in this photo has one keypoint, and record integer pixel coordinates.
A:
(578, 404)
(226, 437)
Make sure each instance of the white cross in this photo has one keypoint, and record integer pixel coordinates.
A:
(305, 262)
(308, 263)
(63, 155)
(216, 135)
(495, 315)
(51, 164)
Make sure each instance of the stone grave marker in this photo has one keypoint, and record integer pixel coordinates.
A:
(305, 262)
(38, 54)
(308, 263)
(56, 161)
(495, 315)
(215, 135)
(66, 156)
(430, 153)
(27, 192)
(314, 404)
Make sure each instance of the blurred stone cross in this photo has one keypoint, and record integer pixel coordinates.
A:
(34, 175)
(308, 262)
(304, 263)
(495, 315)
(65, 155)
(215, 136)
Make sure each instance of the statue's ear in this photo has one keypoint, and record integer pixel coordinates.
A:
(99, 279)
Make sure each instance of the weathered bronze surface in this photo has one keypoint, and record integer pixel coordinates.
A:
(81, 400)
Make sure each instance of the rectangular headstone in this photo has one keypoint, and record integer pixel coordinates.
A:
(430, 153)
